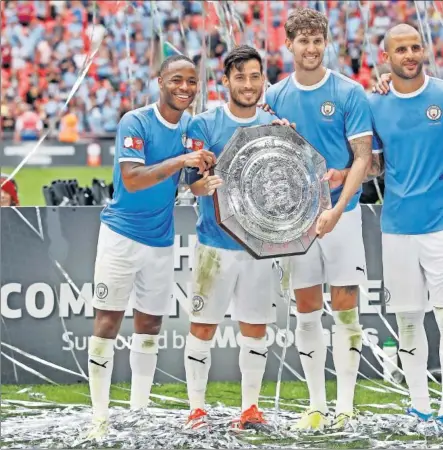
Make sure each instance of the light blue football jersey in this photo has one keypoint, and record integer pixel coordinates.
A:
(146, 216)
(410, 127)
(212, 130)
(328, 115)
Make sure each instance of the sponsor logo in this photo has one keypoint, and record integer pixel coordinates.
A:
(226, 336)
(328, 109)
(134, 143)
(194, 144)
(433, 112)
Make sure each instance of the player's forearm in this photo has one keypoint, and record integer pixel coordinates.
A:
(362, 149)
(137, 177)
(199, 188)
(377, 167)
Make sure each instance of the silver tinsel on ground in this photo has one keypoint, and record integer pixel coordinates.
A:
(47, 425)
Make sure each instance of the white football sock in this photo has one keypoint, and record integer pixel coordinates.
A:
(413, 353)
(311, 346)
(438, 312)
(197, 365)
(346, 350)
(100, 364)
(143, 362)
(252, 361)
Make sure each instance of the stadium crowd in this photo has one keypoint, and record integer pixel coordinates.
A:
(44, 46)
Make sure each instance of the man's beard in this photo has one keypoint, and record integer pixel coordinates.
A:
(253, 102)
(399, 71)
(311, 68)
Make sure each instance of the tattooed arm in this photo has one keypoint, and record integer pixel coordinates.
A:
(353, 178)
(377, 167)
(362, 149)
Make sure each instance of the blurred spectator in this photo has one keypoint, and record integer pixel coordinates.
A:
(9, 192)
(28, 126)
(69, 128)
(45, 44)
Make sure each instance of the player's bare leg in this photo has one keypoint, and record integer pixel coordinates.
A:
(252, 361)
(347, 345)
(197, 365)
(143, 357)
(311, 346)
(100, 365)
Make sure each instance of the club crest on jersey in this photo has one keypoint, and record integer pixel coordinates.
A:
(135, 143)
(197, 303)
(101, 291)
(328, 109)
(184, 140)
(433, 112)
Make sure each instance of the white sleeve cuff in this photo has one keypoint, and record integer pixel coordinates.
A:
(377, 151)
(138, 160)
(359, 135)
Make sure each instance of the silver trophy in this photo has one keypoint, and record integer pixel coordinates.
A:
(273, 191)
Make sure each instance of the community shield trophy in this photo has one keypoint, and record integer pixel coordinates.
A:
(273, 191)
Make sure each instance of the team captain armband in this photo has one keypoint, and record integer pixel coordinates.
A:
(135, 143)
(194, 144)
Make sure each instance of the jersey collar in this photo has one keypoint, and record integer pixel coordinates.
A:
(238, 119)
(411, 94)
(314, 86)
(167, 124)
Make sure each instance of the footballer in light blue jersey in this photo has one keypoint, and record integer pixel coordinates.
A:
(135, 252)
(410, 127)
(212, 130)
(409, 123)
(146, 215)
(329, 115)
(224, 273)
(332, 113)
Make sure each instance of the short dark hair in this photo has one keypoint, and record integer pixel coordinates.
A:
(238, 56)
(306, 21)
(171, 59)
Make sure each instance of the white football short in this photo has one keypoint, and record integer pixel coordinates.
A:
(123, 265)
(413, 271)
(221, 276)
(337, 259)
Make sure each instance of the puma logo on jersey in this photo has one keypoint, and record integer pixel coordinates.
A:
(353, 349)
(360, 269)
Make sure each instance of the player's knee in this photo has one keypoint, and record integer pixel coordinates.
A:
(147, 324)
(344, 298)
(256, 331)
(107, 324)
(309, 299)
(203, 331)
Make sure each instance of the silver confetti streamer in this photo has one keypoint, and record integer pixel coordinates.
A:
(66, 426)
